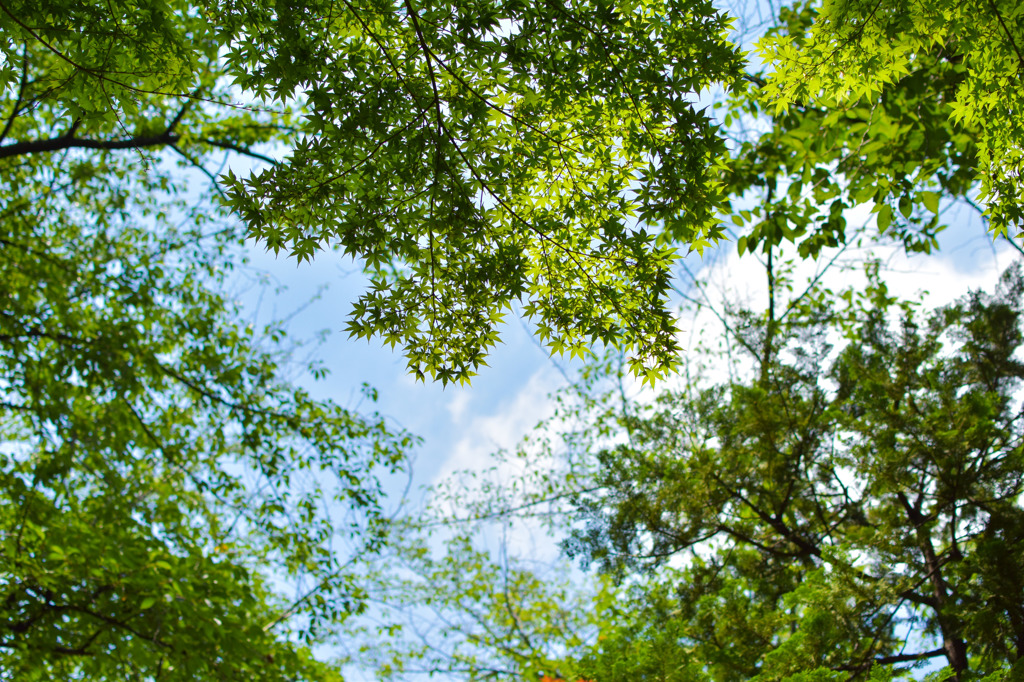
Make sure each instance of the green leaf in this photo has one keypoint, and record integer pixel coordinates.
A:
(930, 201)
(883, 219)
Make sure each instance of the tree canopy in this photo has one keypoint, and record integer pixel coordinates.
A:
(470, 155)
(171, 507)
(485, 157)
(160, 481)
(847, 506)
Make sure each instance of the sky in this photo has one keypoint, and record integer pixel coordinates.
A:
(462, 425)
(457, 423)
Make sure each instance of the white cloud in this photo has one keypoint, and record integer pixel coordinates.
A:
(504, 428)
(727, 279)
(458, 405)
(471, 460)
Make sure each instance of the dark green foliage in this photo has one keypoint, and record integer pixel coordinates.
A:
(832, 505)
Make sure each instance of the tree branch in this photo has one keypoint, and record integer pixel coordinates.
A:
(1013, 43)
(889, 660)
(68, 141)
(245, 151)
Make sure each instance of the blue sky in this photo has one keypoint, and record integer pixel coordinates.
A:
(502, 403)
(461, 425)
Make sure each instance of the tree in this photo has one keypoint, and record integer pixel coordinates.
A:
(443, 605)
(471, 154)
(855, 50)
(848, 507)
(855, 520)
(162, 488)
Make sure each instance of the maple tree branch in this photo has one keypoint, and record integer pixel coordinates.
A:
(69, 141)
(244, 151)
(1009, 36)
(21, 94)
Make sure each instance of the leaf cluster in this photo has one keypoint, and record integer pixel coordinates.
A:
(479, 155)
(856, 50)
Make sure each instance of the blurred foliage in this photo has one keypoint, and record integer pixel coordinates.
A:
(171, 507)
